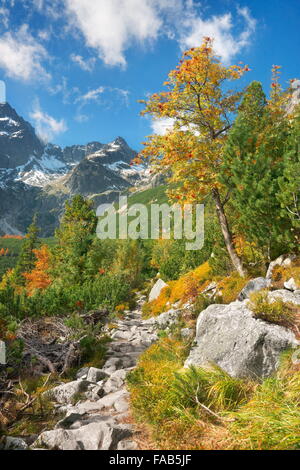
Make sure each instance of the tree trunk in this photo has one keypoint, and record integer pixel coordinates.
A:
(236, 261)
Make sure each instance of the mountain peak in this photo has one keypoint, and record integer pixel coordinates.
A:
(120, 141)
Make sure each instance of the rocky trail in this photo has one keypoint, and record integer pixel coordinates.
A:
(96, 420)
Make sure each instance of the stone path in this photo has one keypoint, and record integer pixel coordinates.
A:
(96, 422)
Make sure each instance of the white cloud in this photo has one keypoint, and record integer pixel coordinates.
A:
(84, 64)
(111, 27)
(81, 117)
(47, 126)
(162, 126)
(92, 95)
(44, 34)
(104, 95)
(21, 55)
(4, 16)
(222, 29)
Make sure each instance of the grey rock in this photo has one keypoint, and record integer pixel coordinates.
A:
(77, 420)
(126, 335)
(82, 373)
(84, 407)
(156, 289)
(187, 333)
(167, 318)
(115, 382)
(109, 400)
(68, 421)
(65, 392)
(94, 436)
(295, 97)
(112, 364)
(291, 284)
(286, 296)
(95, 392)
(243, 346)
(94, 375)
(15, 443)
(127, 444)
(254, 285)
(122, 405)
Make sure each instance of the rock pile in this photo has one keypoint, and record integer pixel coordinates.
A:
(95, 405)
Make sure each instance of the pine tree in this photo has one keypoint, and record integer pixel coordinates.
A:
(289, 182)
(251, 167)
(75, 236)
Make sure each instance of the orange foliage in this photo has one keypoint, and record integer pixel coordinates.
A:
(194, 100)
(185, 289)
(16, 237)
(39, 278)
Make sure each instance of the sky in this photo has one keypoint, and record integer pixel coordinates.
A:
(75, 69)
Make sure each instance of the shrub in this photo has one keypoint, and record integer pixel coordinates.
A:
(186, 288)
(276, 311)
(201, 303)
(281, 274)
(93, 350)
(231, 286)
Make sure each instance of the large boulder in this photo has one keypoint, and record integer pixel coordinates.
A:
(156, 289)
(253, 286)
(243, 346)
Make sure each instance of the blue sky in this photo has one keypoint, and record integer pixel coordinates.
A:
(76, 68)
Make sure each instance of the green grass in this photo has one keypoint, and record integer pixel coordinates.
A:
(150, 196)
(170, 403)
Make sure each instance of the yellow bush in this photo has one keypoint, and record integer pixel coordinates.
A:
(122, 307)
(231, 286)
(184, 289)
(281, 274)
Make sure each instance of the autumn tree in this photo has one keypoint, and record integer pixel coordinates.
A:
(27, 258)
(39, 277)
(200, 105)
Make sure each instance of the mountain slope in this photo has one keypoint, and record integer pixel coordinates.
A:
(35, 177)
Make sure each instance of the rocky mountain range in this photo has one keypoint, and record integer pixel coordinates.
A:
(38, 178)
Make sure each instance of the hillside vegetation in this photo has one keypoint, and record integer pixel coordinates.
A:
(64, 301)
